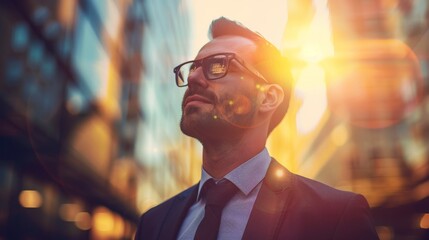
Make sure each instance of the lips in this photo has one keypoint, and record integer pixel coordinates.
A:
(196, 99)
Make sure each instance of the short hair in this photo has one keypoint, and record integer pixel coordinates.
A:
(269, 61)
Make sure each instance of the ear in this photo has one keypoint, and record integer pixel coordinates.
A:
(272, 95)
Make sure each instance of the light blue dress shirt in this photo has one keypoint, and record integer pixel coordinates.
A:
(248, 179)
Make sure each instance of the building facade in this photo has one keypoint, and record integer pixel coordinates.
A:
(74, 80)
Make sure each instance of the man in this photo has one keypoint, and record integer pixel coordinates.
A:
(237, 92)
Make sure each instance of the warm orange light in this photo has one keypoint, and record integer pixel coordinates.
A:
(274, 13)
(30, 199)
(103, 221)
(311, 91)
(424, 222)
(92, 139)
(280, 173)
(385, 232)
(68, 211)
(108, 93)
(66, 12)
(106, 224)
(375, 83)
(83, 221)
(339, 135)
(119, 228)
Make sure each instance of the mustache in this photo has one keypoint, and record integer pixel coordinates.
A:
(209, 95)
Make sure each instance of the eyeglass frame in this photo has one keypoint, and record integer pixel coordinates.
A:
(200, 63)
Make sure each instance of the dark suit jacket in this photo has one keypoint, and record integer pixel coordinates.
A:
(287, 207)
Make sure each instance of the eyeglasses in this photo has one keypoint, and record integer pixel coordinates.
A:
(214, 67)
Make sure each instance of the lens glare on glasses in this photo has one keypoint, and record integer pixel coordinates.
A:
(215, 67)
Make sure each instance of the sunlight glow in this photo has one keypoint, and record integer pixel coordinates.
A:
(315, 51)
(270, 22)
(311, 89)
(340, 135)
(311, 85)
(389, 81)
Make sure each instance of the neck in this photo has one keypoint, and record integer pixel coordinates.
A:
(221, 157)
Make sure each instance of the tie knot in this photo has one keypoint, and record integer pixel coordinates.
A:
(218, 194)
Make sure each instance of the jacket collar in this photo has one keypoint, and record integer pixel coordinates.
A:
(177, 213)
(267, 213)
(271, 204)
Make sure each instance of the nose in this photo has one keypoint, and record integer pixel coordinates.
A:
(197, 79)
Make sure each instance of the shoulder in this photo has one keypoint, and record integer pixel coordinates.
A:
(152, 220)
(320, 191)
(279, 178)
(333, 213)
(163, 208)
(347, 213)
(308, 195)
(314, 194)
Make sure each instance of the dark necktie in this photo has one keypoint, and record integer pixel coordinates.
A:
(216, 196)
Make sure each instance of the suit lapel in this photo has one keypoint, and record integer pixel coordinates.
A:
(178, 210)
(271, 203)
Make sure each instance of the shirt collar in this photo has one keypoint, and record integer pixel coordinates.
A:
(246, 176)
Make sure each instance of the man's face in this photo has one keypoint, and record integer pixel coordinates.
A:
(225, 106)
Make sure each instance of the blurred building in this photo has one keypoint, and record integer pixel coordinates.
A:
(73, 99)
(171, 160)
(372, 137)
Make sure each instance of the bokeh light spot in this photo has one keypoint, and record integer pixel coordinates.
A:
(280, 173)
(30, 199)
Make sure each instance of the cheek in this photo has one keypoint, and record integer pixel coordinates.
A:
(239, 104)
(238, 101)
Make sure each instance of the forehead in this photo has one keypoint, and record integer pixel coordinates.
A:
(241, 46)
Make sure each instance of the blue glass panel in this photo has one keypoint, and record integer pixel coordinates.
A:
(88, 56)
(48, 68)
(41, 15)
(52, 30)
(20, 37)
(35, 53)
(14, 70)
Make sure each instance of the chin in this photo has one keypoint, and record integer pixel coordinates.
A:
(190, 130)
(198, 125)
(187, 125)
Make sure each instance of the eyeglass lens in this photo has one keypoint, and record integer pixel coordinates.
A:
(215, 67)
